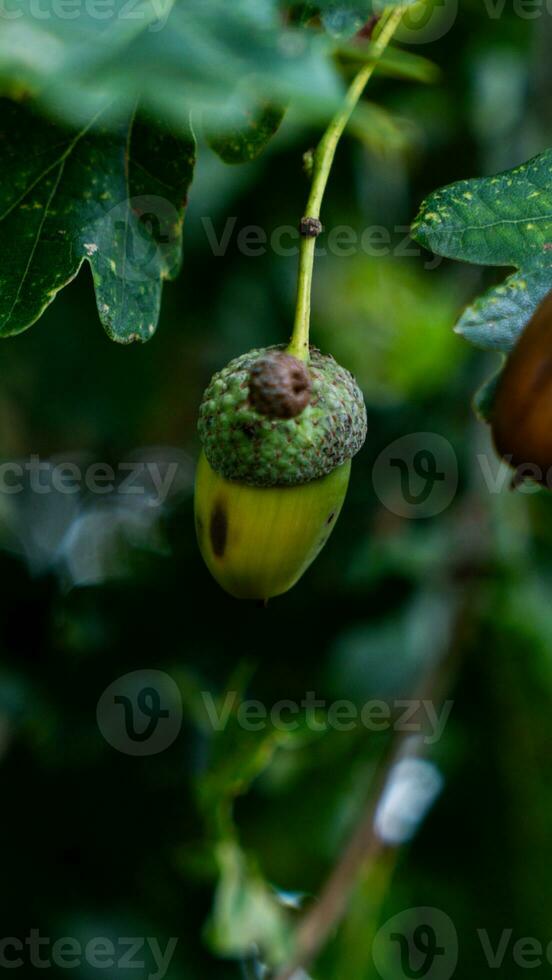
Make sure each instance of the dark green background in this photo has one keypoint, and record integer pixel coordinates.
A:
(98, 843)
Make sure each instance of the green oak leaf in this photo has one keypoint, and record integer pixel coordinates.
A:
(504, 220)
(246, 137)
(114, 198)
(495, 320)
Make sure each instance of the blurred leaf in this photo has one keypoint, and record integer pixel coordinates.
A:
(239, 754)
(394, 332)
(406, 552)
(112, 199)
(380, 131)
(344, 18)
(501, 221)
(242, 746)
(247, 917)
(386, 658)
(395, 62)
(174, 56)
(242, 143)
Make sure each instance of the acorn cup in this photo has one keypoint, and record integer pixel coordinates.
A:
(278, 436)
(521, 415)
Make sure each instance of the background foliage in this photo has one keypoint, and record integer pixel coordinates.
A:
(98, 843)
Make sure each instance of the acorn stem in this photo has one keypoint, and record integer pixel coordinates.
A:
(322, 164)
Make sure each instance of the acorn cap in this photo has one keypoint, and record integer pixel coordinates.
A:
(269, 420)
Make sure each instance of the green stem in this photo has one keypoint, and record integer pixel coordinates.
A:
(322, 164)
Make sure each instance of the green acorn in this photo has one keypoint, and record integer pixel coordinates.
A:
(278, 436)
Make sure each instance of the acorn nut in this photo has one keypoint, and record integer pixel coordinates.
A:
(278, 436)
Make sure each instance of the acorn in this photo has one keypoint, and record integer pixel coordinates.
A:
(278, 435)
(521, 415)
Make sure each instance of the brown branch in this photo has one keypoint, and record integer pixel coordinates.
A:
(365, 846)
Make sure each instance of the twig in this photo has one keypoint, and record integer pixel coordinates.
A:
(365, 846)
(322, 164)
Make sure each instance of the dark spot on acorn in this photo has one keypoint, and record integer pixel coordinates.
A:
(279, 386)
(218, 529)
(330, 518)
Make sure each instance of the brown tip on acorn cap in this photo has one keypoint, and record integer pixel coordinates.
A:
(279, 385)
